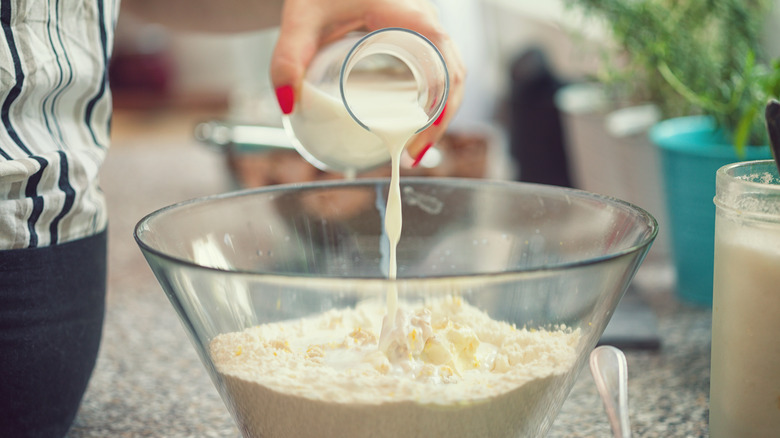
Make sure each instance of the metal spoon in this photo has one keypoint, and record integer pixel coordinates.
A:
(773, 126)
(610, 371)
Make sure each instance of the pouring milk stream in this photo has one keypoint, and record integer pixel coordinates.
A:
(391, 84)
(440, 368)
(391, 111)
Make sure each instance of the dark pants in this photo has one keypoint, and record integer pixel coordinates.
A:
(52, 302)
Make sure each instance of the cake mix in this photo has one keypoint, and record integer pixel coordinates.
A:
(390, 368)
(449, 371)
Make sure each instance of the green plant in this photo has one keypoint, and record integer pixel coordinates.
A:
(696, 56)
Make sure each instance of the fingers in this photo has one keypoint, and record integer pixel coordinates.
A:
(298, 42)
(423, 141)
(306, 25)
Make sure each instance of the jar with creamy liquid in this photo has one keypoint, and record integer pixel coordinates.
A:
(745, 369)
(350, 80)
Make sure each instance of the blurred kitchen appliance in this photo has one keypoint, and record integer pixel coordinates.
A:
(259, 155)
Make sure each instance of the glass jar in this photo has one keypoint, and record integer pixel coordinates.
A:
(745, 369)
(326, 126)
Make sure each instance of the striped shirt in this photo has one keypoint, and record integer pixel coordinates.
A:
(55, 112)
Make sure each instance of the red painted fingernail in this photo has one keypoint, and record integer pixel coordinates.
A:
(421, 154)
(284, 95)
(441, 116)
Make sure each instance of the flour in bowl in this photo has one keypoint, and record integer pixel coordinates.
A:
(393, 369)
(449, 371)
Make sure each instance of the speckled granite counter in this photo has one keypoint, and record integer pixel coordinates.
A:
(149, 382)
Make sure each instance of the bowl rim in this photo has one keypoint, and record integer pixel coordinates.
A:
(448, 181)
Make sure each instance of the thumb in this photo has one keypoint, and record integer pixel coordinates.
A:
(297, 44)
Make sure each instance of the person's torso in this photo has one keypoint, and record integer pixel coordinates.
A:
(55, 111)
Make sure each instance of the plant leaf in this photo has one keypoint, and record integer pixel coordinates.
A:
(742, 133)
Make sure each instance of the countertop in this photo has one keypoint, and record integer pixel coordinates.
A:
(148, 381)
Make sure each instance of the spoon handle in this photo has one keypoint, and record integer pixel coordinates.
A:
(772, 114)
(610, 371)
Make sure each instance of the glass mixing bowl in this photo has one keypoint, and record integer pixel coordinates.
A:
(536, 259)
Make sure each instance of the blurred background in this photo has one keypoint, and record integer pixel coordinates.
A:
(187, 108)
(540, 103)
(519, 55)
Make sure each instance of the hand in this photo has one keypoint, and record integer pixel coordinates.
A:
(306, 25)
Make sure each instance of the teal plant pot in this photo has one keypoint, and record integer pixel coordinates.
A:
(692, 150)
